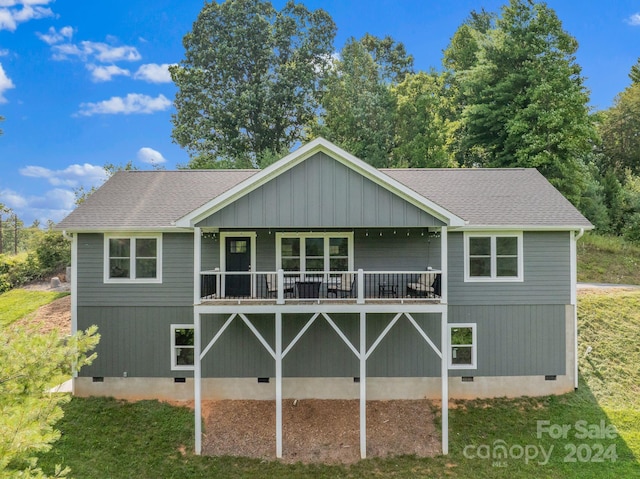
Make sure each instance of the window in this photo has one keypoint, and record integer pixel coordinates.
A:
(462, 346)
(133, 258)
(493, 257)
(308, 252)
(182, 347)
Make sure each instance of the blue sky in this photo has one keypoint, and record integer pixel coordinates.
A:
(84, 83)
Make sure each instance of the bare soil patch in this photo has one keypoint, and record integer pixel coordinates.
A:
(53, 316)
(319, 431)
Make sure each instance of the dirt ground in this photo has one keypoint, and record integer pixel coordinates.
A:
(322, 431)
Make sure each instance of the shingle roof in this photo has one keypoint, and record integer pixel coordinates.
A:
(484, 197)
(495, 197)
(150, 199)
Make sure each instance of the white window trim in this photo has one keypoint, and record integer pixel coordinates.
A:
(494, 278)
(474, 346)
(174, 365)
(326, 236)
(132, 258)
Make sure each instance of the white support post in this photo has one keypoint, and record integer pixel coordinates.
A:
(444, 265)
(74, 300)
(445, 383)
(363, 384)
(280, 299)
(279, 385)
(360, 286)
(197, 379)
(197, 252)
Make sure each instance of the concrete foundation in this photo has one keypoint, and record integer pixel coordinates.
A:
(323, 388)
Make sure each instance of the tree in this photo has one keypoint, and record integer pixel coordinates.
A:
(30, 365)
(248, 84)
(525, 102)
(634, 74)
(619, 129)
(358, 102)
(1, 119)
(3, 210)
(421, 124)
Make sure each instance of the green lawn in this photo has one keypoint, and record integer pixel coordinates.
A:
(607, 259)
(18, 303)
(108, 438)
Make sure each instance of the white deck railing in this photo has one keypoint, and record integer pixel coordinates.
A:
(282, 286)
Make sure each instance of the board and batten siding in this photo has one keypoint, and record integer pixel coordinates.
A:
(133, 340)
(547, 274)
(515, 340)
(320, 193)
(176, 288)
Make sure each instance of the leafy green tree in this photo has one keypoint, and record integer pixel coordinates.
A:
(619, 127)
(249, 81)
(53, 252)
(1, 119)
(526, 105)
(358, 107)
(635, 73)
(421, 124)
(30, 365)
(358, 102)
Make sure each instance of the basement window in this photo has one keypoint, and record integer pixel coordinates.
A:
(462, 346)
(182, 347)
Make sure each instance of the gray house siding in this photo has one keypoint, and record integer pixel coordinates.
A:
(546, 274)
(320, 193)
(515, 340)
(135, 340)
(176, 288)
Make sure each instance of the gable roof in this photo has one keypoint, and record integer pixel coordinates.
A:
(500, 197)
(473, 198)
(304, 153)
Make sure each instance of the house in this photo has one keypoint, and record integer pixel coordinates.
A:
(323, 277)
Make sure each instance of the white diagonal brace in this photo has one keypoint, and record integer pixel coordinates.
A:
(217, 336)
(341, 334)
(383, 334)
(299, 335)
(423, 334)
(258, 335)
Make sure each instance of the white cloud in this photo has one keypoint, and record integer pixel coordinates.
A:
(102, 52)
(5, 84)
(51, 205)
(154, 73)
(106, 73)
(132, 103)
(634, 19)
(151, 156)
(10, 16)
(72, 176)
(52, 37)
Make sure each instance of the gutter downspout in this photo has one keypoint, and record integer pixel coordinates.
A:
(574, 294)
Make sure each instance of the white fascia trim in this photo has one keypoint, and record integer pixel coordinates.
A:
(485, 228)
(297, 157)
(128, 229)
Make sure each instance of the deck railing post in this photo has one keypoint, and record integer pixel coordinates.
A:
(280, 299)
(361, 286)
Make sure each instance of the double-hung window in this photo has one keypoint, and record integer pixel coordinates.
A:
(462, 346)
(182, 347)
(314, 252)
(493, 257)
(133, 258)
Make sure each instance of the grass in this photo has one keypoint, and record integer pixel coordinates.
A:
(18, 303)
(109, 438)
(608, 259)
